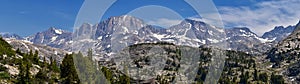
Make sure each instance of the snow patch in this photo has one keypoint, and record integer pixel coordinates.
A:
(201, 41)
(125, 29)
(265, 40)
(99, 38)
(213, 40)
(158, 36)
(210, 32)
(42, 40)
(27, 41)
(108, 46)
(53, 38)
(58, 31)
(61, 41)
(242, 31)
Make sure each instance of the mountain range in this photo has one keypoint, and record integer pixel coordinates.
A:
(128, 30)
(276, 52)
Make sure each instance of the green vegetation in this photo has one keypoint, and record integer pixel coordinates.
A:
(5, 49)
(32, 70)
(240, 68)
(68, 71)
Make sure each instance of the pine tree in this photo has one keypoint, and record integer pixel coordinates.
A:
(27, 75)
(255, 75)
(41, 76)
(68, 71)
(36, 57)
(21, 76)
(276, 79)
(30, 56)
(263, 77)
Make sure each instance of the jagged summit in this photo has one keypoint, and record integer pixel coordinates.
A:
(193, 21)
(278, 33)
(297, 27)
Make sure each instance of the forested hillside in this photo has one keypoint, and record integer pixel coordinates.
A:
(29, 68)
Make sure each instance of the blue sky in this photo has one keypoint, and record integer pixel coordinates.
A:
(26, 17)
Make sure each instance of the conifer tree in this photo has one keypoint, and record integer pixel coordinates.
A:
(68, 71)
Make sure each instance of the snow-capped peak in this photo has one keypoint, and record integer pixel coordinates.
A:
(56, 31)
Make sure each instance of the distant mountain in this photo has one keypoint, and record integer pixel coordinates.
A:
(9, 35)
(285, 55)
(243, 39)
(278, 33)
(52, 37)
(289, 45)
(126, 30)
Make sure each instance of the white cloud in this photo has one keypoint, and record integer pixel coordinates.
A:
(263, 16)
(164, 22)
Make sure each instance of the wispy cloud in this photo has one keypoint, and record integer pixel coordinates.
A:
(23, 12)
(263, 16)
(164, 22)
(63, 15)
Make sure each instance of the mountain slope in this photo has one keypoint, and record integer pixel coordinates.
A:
(278, 33)
(286, 55)
(52, 37)
(21, 68)
(44, 51)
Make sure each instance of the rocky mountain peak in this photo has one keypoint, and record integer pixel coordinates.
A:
(53, 37)
(193, 22)
(125, 20)
(240, 31)
(53, 30)
(278, 27)
(278, 33)
(297, 27)
(119, 25)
